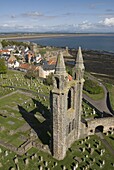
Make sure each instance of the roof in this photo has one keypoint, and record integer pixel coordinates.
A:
(27, 66)
(60, 65)
(11, 59)
(52, 62)
(6, 51)
(79, 59)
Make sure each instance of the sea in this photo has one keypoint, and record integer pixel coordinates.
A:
(101, 43)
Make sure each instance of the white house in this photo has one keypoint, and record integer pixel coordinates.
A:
(45, 70)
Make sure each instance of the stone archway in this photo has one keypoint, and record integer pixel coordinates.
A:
(99, 129)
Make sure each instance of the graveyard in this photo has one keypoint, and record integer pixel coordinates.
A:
(25, 130)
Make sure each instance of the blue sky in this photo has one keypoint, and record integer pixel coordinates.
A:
(57, 15)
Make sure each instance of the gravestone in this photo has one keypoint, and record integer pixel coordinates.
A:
(26, 160)
(0, 150)
(6, 153)
(16, 160)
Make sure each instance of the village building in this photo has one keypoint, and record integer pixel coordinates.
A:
(12, 61)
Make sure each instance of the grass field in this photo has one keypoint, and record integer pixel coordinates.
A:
(20, 108)
(74, 153)
(12, 117)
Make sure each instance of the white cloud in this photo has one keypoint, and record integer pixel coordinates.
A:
(108, 22)
(85, 25)
(105, 25)
(33, 14)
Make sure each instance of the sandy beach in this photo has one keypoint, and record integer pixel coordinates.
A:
(36, 36)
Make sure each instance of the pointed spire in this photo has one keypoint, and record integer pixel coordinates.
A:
(79, 59)
(60, 65)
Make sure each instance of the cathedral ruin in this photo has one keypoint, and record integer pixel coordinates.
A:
(66, 105)
(66, 108)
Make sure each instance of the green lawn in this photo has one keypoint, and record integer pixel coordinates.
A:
(111, 93)
(68, 161)
(95, 96)
(12, 121)
(11, 118)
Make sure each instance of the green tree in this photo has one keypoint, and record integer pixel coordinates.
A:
(48, 80)
(69, 69)
(3, 68)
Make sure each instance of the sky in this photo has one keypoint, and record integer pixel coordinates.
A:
(72, 16)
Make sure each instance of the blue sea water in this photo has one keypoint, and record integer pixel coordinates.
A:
(105, 43)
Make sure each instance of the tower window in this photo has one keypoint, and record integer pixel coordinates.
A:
(69, 100)
(57, 82)
(75, 76)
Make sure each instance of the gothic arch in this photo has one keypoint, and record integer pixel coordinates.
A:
(74, 76)
(57, 82)
(99, 129)
(70, 98)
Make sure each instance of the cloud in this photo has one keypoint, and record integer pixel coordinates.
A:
(13, 16)
(96, 4)
(36, 14)
(109, 22)
(32, 14)
(85, 25)
(69, 14)
(106, 25)
(109, 10)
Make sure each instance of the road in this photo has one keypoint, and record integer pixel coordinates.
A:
(103, 104)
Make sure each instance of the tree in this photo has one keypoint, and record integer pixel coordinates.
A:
(3, 68)
(69, 69)
(48, 80)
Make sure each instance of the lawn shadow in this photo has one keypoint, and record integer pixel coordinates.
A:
(42, 129)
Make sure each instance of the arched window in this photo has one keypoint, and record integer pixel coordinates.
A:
(57, 82)
(69, 100)
(75, 76)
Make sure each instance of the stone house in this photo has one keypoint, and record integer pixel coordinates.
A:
(45, 70)
(12, 62)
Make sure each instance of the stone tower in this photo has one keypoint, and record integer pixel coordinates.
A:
(66, 99)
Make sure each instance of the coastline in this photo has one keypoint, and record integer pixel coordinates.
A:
(36, 36)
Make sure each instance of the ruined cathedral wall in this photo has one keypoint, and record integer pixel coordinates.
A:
(83, 131)
(70, 139)
(91, 125)
(70, 127)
